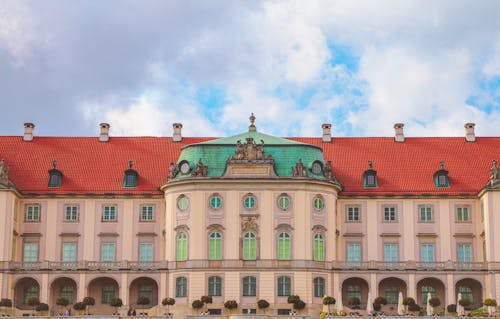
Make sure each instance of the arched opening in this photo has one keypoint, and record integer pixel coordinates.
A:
(470, 289)
(62, 288)
(435, 287)
(103, 290)
(141, 288)
(389, 288)
(25, 289)
(355, 287)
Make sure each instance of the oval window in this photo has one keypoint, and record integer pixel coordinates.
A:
(215, 202)
(318, 203)
(182, 202)
(284, 202)
(249, 201)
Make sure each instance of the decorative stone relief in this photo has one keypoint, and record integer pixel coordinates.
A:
(249, 223)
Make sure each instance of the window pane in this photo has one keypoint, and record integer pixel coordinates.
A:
(284, 246)
(249, 246)
(249, 286)
(181, 246)
(67, 292)
(464, 253)
(30, 252)
(181, 287)
(108, 293)
(30, 292)
(69, 252)
(354, 292)
(147, 213)
(319, 287)
(146, 252)
(146, 291)
(353, 252)
(466, 293)
(319, 248)
(391, 252)
(108, 252)
(284, 286)
(427, 252)
(215, 246)
(425, 291)
(215, 286)
(391, 294)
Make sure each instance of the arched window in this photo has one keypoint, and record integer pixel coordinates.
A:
(425, 291)
(353, 291)
(319, 247)
(466, 292)
(67, 293)
(181, 287)
(181, 246)
(284, 249)
(249, 246)
(215, 286)
(284, 286)
(108, 293)
(249, 286)
(319, 287)
(30, 292)
(215, 246)
(146, 291)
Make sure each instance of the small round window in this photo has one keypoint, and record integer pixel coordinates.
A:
(215, 201)
(317, 167)
(284, 201)
(318, 203)
(182, 202)
(249, 201)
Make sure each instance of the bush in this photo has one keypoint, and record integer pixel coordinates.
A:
(197, 304)
(479, 312)
(89, 301)
(380, 300)
(414, 308)
(61, 301)
(299, 305)
(263, 304)
(79, 306)
(354, 301)
(5, 302)
(465, 303)
(42, 307)
(206, 299)
(377, 306)
(329, 300)
(143, 301)
(34, 301)
(231, 304)
(490, 302)
(168, 302)
(408, 301)
(451, 308)
(293, 299)
(434, 302)
(116, 302)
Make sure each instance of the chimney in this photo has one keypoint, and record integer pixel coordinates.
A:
(177, 137)
(327, 132)
(470, 136)
(104, 136)
(29, 128)
(398, 128)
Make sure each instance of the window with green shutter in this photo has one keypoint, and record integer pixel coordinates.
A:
(249, 246)
(181, 287)
(146, 252)
(319, 247)
(284, 286)
(215, 286)
(249, 286)
(319, 287)
(215, 246)
(284, 246)
(182, 246)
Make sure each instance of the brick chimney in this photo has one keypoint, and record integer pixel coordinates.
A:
(29, 129)
(104, 136)
(327, 132)
(470, 136)
(177, 137)
(399, 134)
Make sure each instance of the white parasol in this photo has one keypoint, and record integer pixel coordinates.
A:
(429, 308)
(369, 305)
(401, 308)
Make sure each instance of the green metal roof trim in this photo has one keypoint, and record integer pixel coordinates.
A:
(285, 153)
(257, 136)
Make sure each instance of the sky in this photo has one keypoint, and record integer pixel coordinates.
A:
(142, 65)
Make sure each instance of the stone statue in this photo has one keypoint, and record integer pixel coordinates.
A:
(299, 170)
(172, 170)
(495, 173)
(250, 151)
(4, 173)
(260, 150)
(328, 171)
(240, 150)
(200, 170)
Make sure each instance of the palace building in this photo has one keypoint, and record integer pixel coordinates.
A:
(248, 217)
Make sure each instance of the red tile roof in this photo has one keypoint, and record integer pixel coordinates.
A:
(93, 167)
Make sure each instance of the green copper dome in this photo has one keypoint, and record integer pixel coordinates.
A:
(212, 156)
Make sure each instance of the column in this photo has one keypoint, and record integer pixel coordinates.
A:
(450, 290)
(412, 287)
(82, 287)
(44, 290)
(124, 289)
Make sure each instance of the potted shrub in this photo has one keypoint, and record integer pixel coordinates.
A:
(63, 302)
(206, 300)
(354, 302)
(329, 301)
(299, 305)
(168, 302)
(80, 307)
(414, 308)
(377, 306)
(143, 301)
(33, 302)
(230, 305)
(42, 307)
(451, 308)
(263, 304)
(88, 301)
(117, 303)
(197, 304)
(479, 312)
(293, 299)
(380, 300)
(6, 303)
(465, 303)
(407, 302)
(491, 304)
(434, 302)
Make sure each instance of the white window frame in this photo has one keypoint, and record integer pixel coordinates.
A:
(106, 213)
(390, 213)
(33, 213)
(353, 211)
(459, 217)
(73, 211)
(147, 211)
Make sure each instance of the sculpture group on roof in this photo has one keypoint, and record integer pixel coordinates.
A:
(250, 151)
(4, 171)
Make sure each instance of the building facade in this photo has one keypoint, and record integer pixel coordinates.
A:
(248, 217)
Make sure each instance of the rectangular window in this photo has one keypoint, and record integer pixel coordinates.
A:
(108, 252)
(108, 293)
(32, 213)
(147, 213)
(425, 213)
(30, 252)
(353, 252)
(463, 214)
(464, 253)
(391, 252)
(71, 213)
(69, 252)
(146, 251)
(390, 213)
(427, 253)
(353, 214)
(391, 295)
(109, 213)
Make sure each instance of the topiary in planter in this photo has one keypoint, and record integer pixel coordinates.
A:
(88, 301)
(479, 312)
(230, 305)
(451, 308)
(465, 303)
(414, 308)
(380, 300)
(490, 302)
(117, 303)
(197, 304)
(263, 304)
(329, 301)
(61, 301)
(79, 306)
(299, 305)
(408, 301)
(42, 307)
(5, 302)
(434, 302)
(293, 299)
(354, 302)
(377, 306)
(206, 299)
(168, 302)
(142, 301)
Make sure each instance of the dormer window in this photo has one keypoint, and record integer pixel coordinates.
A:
(55, 176)
(441, 177)
(370, 177)
(130, 178)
